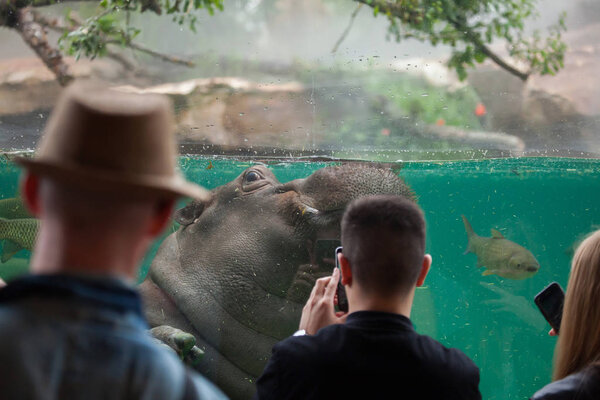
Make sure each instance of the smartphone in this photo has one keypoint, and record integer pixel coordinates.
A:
(341, 291)
(550, 302)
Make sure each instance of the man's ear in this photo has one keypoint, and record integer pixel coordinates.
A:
(162, 216)
(345, 270)
(30, 192)
(424, 270)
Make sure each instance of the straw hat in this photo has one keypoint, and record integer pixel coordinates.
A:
(111, 141)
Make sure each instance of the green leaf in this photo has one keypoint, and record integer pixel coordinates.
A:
(479, 56)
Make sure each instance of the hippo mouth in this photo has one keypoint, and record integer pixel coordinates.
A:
(532, 269)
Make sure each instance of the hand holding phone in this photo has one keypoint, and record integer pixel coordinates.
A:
(550, 302)
(340, 291)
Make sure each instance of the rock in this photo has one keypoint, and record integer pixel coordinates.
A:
(235, 112)
(578, 82)
(27, 85)
(560, 111)
(541, 108)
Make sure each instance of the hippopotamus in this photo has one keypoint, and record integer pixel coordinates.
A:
(238, 270)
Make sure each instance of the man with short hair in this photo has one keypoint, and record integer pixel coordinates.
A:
(373, 351)
(103, 184)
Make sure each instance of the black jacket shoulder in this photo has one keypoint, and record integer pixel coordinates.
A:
(369, 356)
(584, 385)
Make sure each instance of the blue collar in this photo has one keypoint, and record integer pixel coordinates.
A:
(103, 292)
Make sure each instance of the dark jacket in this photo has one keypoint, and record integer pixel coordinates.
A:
(66, 337)
(374, 355)
(584, 385)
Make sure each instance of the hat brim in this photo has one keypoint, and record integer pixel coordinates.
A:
(139, 185)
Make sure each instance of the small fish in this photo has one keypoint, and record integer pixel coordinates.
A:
(500, 256)
(17, 234)
(13, 208)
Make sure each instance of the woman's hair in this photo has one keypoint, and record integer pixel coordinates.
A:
(579, 340)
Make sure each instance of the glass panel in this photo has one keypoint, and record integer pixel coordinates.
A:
(268, 88)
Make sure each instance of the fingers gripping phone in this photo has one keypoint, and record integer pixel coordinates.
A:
(341, 291)
(550, 302)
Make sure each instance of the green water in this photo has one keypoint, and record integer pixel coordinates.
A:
(544, 204)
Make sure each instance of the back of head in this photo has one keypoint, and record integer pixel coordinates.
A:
(89, 212)
(384, 240)
(579, 340)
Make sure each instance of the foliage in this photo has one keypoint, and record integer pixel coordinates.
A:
(111, 25)
(469, 26)
(417, 100)
(399, 110)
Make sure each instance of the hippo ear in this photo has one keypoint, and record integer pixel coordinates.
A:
(188, 214)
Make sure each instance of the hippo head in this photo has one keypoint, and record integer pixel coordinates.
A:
(238, 270)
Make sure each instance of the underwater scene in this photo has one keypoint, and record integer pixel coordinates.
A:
(536, 209)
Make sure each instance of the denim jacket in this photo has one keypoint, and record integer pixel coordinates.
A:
(68, 337)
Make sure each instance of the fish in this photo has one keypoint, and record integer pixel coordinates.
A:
(500, 256)
(17, 234)
(13, 208)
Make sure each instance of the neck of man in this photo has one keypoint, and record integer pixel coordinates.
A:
(358, 300)
(85, 250)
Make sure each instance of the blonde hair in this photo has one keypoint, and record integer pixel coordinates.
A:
(579, 340)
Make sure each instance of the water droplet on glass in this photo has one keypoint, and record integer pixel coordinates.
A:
(241, 114)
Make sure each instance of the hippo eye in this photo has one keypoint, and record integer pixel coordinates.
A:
(254, 180)
(252, 176)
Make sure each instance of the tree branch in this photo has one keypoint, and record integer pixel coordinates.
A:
(347, 30)
(479, 45)
(57, 25)
(154, 53)
(397, 10)
(9, 8)
(35, 36)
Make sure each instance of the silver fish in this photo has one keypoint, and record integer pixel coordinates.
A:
(500, 256)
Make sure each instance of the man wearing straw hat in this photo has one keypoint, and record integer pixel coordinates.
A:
(103, 184)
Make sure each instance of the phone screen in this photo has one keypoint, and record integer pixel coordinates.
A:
(341, 291)
(550, 302)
